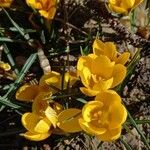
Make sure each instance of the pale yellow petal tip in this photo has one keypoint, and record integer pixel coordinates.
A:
(35, 136)
(52, 116)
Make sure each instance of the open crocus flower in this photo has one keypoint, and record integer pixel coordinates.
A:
(53, 80)
(5, 3)
(104, 116)
(98, 73)
(109, 49)
(41, 121)
(47, 8)
(123, 6)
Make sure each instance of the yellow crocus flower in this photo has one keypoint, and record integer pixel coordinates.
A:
(123, 6)
(98, 73)
(53, 80)
(41, 121)
(47, 8)
(5, 3)
(109, 49)
(104, 116)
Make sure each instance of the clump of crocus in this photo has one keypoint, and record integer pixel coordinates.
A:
(43, 119)
(123, 6)
(5, 3)
(104, 116)
(46, 8)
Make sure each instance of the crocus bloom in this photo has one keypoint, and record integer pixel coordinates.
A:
(109, 49)
(98, 73)
(104, 116)
(5, 3)
(53, 80)
(47, 8)
(123, 6)
(40, 122)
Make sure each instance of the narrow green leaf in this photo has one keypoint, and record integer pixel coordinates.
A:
(6, 102)
(10, 58)
(127, 146)
(139, 131)
(81, 100)
(21, 30)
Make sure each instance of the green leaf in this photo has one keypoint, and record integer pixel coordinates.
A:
(84, 51)
(127, 146)
(21, 30)
(138, 130)
(81, 100)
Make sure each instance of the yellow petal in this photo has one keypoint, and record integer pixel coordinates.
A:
(119, 74)
(27, 92)
(98, 47)
(110, 135)
(127, 4)
(88, 92)
(29, 121)
(85, 61)
(114, 2)
(52, 78)
(110, 50)
(103, 67)
(40, 103)
(117, 9)
(123, 58)
(51, 115)
(117, 109)
(103, 85)
(71, 78)
(68, 120)
(96, 130)
(108, 98)
(35, 136)
(34, 4)
(85, 76)
(84, 126)
(90, 129)
(43, 126)
(33, 123)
